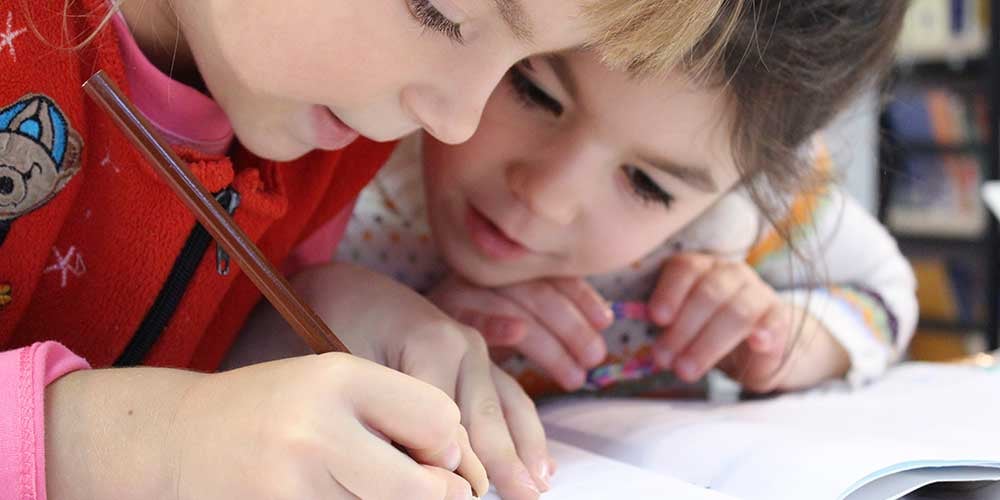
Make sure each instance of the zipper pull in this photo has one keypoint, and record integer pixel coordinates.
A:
(230, 200)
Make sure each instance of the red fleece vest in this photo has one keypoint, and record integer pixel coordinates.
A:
(95, 247)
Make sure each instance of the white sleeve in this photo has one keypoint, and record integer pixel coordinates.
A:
(848, 272)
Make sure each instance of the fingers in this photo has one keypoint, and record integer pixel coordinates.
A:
(483, 415)
(586, 299)
(545, 351)
(717, 286)
(472, 471)
(727, 328)
(498, 319)
(409, 479)
(765, 352)
(525, 428)
(407, 411)
(456, 488)
(558, 314)
(498, 331)
(680, 273)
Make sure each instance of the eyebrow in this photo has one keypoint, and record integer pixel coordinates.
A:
(515, 18)
(698, 178)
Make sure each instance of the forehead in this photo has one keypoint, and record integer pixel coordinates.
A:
(553, 24)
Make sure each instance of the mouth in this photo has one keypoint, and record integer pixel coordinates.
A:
(489, 239)
(329, 132)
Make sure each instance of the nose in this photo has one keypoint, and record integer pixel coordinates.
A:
(450, 108)
(547, 186)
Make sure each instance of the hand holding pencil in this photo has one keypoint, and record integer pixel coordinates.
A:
(311, 427)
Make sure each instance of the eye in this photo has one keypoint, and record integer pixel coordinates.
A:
(646, 188)
(531, 95)
(431, 18)
(30, 173)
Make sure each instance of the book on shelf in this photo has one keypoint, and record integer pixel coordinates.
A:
(937, 193)
(923, 424)
(944, 30)
(949, 288)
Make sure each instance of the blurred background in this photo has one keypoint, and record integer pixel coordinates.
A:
(916, 151)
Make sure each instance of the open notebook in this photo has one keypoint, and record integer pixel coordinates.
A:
(922, 424)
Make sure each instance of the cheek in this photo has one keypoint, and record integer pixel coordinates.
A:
(310, 50)
(616, 238)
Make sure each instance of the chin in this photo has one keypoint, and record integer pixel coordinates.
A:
(485, 274)
(270, 146)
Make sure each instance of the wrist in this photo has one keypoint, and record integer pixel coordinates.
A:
(815, 357)
(108, 433)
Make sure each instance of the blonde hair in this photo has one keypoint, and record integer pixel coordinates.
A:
(641, 36)
(648, 37)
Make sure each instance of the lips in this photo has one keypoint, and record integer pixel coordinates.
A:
(489, 239)
(329, 132)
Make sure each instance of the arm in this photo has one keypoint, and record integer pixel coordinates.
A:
(24, 375)
(270, 431)
(851, 278)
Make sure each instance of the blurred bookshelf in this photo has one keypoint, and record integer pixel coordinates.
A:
(938, 144)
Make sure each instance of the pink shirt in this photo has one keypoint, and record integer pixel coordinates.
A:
(184, 116)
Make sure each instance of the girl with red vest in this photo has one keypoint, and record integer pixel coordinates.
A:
(100, 265)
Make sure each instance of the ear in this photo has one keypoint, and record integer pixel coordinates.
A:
(8, 114)
(71, 158)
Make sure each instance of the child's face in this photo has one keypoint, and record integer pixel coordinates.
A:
(576, 170)
(297, 75)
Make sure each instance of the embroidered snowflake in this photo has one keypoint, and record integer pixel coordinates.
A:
(70, 263)
(7, 36)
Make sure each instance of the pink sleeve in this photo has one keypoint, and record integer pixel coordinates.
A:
(321, 246)
(24, 373)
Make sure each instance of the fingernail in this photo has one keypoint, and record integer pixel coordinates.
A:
(453, 457)
(575, 379)
(544, 475)
(663, 358)
(687, 369)
(461, 494)
(764, 339)
(595, 352)
(662, 314)
(605, 316)
(524, 477)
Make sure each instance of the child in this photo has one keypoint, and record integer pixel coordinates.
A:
(266, 101)
(578, 171)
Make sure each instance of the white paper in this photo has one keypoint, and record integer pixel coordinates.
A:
(822, 444)
(586, 476)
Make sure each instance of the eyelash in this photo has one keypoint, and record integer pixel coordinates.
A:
(646, 188)
(531, 95)
(429, 17)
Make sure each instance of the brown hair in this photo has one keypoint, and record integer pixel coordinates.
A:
(788, 67)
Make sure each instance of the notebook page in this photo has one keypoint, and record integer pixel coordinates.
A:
(897, 485)
(818, 444)
(585, 476)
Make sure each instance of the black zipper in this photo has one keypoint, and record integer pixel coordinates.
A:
(169, 298)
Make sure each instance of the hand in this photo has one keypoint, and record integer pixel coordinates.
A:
(556, 323)
(314, 427)
(382, 320)
(720, 312)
